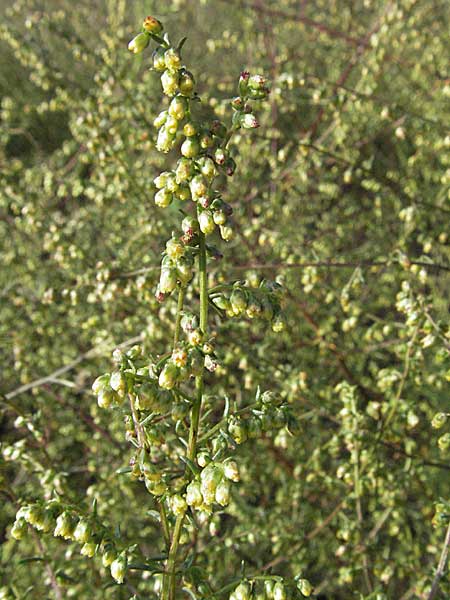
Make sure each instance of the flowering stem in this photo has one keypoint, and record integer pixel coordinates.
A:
(168, 592)
(176, 336)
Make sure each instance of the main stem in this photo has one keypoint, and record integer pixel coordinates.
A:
(168, 591)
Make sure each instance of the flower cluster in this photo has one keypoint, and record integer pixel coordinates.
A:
(272, 588)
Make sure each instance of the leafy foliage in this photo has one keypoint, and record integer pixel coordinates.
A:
(341, 196)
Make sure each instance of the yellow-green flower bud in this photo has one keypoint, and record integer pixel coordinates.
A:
(118, 568)
(159, 64)
(206, 222)
(222, 302)
(199, 187)
(243, 591)
(194, 496)
(172, 59)
(207, 167)
(152, 25)
(161, 180)
(203, 458)
(183, 192)
(190, 128)
(106, 397)
(101, 383)
(171, 125)
(109, 555)
(210, 478)
(139, 43)
(279, 591)
(163, 198)
(304, 587)
(278, 323)
(184, 270)
(238, 430)
(65, 525)
(178, 108)
(226, 232)
(165, 140)
(444, 442)
(175, 249)
(190, 148)
(238, 301)
(168, 376)
(222, 495)
(231, 470)
(169, 81)
(439, 420)
(195, 337)
(88, 549)
(160, 120)
(178, 504)
(184, 170)
(118, 383)
(19, 529)
(167, 280)
(83, 531)
(186, 83)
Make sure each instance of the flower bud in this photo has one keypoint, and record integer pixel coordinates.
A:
(238, 301)
(171, 125)
(178, 504)
(220, 156)
(210, 479)
(19, 529)
(139, 43)
(83, 531)
(254, 308)
(257, 82)
(237, 430)
(106, 397)
(196, 361)
(163, 198)
(186, 83)
(206, 222)
(230, 166)
(195, 337)
(439, 420)
(190, 129)
(161, 180)
(269, 584)
(159, 64)
(152, 25)
(100, 383)
(231, 470)
(199, 187)
(207, 167)
(167, 281)
(243, 83)
(444, 442)
(203, 458)
(172, 59)
(222, 495)
(219, 129)
(304, 587)
(278, 323)
(194, 496)
(118, 383)
(65, 525)
(88, 549)
(179, 357)
(219, 216)
(184, 170)
(190, 148)
(184, 193)
(178, 108)
(165, 140)
(243, 591)
(222, 302)
(169, 81)
(206, 140)
(168, 376)
(237, 103)
(190, 227)
(226, 232)
(118, 568)
(184, 270)
(248, 121)
(175, 249)
(109, 555)
(279, 591)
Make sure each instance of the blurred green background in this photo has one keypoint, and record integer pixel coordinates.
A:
(342, 195)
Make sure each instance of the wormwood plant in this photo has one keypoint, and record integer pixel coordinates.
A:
(183, 438)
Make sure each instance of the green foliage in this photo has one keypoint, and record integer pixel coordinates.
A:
(338, 475)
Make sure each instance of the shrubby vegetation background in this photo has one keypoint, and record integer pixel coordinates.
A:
(343, 194)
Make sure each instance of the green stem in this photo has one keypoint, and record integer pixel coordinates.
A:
(176, 335)
(168, 592)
